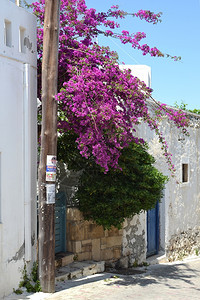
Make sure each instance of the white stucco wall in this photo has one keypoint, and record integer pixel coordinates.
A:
(179, 210)
(182, 200)
(18, 145)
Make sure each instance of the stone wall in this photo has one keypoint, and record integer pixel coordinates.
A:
(91, 242)
(184, 244)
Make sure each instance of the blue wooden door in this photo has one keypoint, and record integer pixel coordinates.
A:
(60, 222)
(153, 230)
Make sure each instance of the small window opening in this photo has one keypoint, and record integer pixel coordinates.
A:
(21, 39)
(184, 172)
(7, 33)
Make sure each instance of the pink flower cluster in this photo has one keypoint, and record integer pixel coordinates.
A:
(149, 16)
(102, 105)
(99, 102)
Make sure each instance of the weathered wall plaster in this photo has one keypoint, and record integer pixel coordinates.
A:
(134, 239)
(184, 243)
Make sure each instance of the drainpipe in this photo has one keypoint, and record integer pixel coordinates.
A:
(27, 163)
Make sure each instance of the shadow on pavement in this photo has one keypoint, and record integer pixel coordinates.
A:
(63, 285)
(171, 276)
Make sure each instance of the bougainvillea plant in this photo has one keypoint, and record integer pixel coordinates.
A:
(109, 198)
(98, 101)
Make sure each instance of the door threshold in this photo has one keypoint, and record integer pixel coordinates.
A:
(159, 258)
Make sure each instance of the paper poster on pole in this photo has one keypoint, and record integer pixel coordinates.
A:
(51, 168)
(51, 192)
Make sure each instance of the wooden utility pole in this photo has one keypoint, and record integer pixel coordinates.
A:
(48, 152)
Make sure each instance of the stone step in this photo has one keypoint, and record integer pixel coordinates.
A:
(63, 259)
(157, 259)
(79, 269)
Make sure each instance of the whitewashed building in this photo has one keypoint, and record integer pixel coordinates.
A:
(173, 227)
(18, 143)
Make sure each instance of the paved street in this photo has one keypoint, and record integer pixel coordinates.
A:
(167, 281)
(159, 282)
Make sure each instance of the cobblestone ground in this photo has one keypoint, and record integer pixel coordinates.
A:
(180, 281)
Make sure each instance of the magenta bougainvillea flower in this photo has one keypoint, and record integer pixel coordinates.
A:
(99, 102)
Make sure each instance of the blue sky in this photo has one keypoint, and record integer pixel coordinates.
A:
(178, 34)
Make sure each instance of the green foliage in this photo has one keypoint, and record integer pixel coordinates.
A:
(183, 106)
(196, 111)
(69, 153)
(135, 264)
(31, 283)
(18, 291)
(34, 272)
(109, 198)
